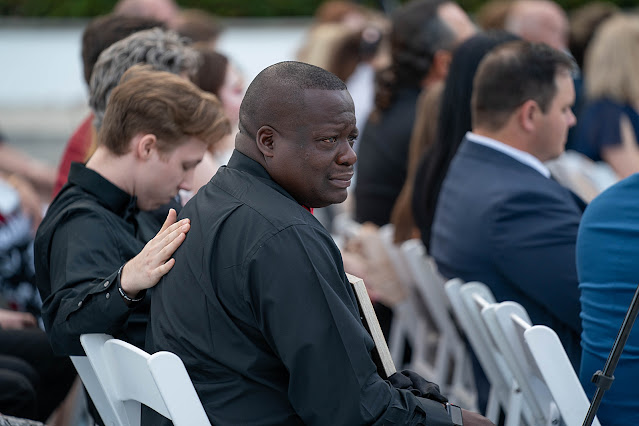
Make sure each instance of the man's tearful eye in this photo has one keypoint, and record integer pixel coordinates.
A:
(330, 140)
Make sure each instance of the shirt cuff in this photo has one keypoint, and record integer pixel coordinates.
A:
(436, 414)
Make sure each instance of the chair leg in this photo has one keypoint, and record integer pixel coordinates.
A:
(514, 412)
(492, 408)
(396, 339)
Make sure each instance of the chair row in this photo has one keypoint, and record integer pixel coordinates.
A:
(532, 380)
(424, 321)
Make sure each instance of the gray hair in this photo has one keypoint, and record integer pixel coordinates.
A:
(163, 50)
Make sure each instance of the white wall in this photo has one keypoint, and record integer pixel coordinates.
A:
(42, 89)
(42, 65)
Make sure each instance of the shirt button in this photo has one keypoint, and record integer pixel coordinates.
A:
(79, 304)
(106, 284)
(108, 295)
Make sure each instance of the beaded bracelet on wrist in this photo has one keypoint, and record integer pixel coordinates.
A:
(122, 293)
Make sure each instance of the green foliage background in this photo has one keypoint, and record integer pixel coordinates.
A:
(228, 8)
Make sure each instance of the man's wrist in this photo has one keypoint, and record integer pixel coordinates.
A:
(436, 412)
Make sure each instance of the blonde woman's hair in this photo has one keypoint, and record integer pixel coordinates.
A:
(612, 60)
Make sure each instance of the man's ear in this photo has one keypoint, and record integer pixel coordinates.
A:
(265, 138)
(144, 145)
(528, 115)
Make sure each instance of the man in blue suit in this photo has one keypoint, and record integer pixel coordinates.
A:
(501, 219)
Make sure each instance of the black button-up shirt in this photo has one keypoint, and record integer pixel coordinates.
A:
(260, 310)
(90, 230)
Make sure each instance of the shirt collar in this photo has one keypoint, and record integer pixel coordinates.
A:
(108, 194)
(243, 162)
(247, 164)
(517, 154)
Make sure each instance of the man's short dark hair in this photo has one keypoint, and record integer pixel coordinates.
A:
(276, 95)
(105, 30)
(512, 74)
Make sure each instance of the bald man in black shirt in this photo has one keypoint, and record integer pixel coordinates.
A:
(258, 305)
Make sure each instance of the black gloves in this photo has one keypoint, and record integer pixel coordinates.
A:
(417, 385)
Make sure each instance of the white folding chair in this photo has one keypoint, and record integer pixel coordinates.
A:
(452, 365)
(128, 377)
(467, 301)
(410, 325)
(412, 322)
(506, 322)
(558, 373)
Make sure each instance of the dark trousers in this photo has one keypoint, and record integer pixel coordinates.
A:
(18, 383)
(33, 381)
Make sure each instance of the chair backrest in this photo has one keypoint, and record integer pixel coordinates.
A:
(452, 362)
(468, 301)
(506, 322)
(386, 233)
(560, 377)
(429, 284)
(129, 377)
(411, 320)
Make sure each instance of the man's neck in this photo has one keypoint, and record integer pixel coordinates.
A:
(116, 169)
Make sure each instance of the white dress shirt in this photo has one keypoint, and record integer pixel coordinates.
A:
(519, 155)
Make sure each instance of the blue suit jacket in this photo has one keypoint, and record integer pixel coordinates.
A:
(503, 223)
